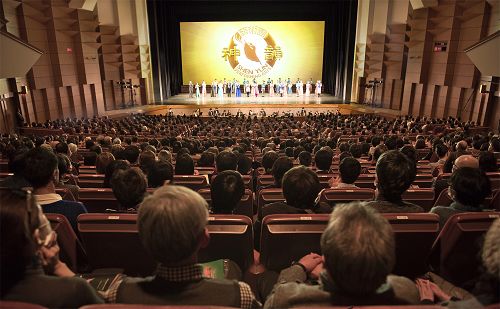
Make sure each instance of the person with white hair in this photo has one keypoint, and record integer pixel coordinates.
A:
(172, 225)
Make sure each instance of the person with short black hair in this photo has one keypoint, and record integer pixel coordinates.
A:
(227, 189)
(280, 167)
(129, 187)
(207, 159)
(226, 160)
(90, 158)
(395, 174)
(131, 153)
(488, 162)
(468, 189)
(349, 170)
(63, 148)
(244, 164)
(184, 165)
(323, 159)
(147, 158)
(161, 173)
(268, 160)
(110, 170)
(305, 158)
(356, 150)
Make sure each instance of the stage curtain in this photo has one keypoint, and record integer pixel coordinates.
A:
(340, 30)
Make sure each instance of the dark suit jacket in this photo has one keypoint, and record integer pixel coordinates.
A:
(71, 210)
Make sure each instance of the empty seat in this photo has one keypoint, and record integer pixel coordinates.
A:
(332, 196)
(112, 241)
(71, 249)
(287, 238)
(245, 206)
(268, 196)
(456, 252)
(231, 237)
(423, 197)
(414, 235)
(194, 182)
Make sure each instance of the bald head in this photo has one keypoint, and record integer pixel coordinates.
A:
(466, 161)
(462, 146)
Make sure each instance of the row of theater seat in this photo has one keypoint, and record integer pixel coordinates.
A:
(112, 240)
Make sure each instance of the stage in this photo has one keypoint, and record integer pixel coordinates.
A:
(183, 105)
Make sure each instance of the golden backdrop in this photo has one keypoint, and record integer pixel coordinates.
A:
(260, 50)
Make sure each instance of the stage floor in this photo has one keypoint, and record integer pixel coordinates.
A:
(183, 105)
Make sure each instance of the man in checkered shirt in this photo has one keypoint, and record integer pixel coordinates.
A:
(172, 227)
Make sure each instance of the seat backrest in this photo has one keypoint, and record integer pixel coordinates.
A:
(414, 235)
(344, 195)
(71, 249)
(455, 253)
(244, 207)
(287, 238)
(268, 196)
(264, 180)
(324, 179)
(444, 199)
(90, 180)
(231, 237)
(112, 241)
(97, 199)
(423, 197)
(194, 182)
(5, 304)
(140, 306)
(248, 181)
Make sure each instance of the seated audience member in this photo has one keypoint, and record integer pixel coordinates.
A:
(494, 145)
(227, 189)
(488, 162)
(358, 256)
(184, 165)
(323, 159)
(226, 160)
(442, 153)
(162, 173)
(410, 152)
(305, 158)
(110, 170)
(395, 174)
(377, 152)
(102, 162)
(62, 148)
(129, 187)
(172, 225)
(207, 159)
(146, 160)
(356, 150)
(280, 167)
(468, 189)
(268, 160)
(131, 153)
(349, 170)
(66, 180)
(90, 158)
(244, 165)
(40, 169)
(28, 243)
(459, 162)
(462, 148)
(165, 155)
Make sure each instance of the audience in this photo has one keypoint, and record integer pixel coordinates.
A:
(323, 159)
(161, 173)
(226, 160)
(488, 162)
(129, 187)
(172, 227)
(184, 165)
(358, 256)
(226, 190)
(349, 170)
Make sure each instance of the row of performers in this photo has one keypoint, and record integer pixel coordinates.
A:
(282, 88)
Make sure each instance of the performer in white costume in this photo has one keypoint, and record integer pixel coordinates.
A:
(271, 89)
(191, 89)
(203, 88)
(224, 85)
(197, 90)
(318, 88)
(220, 90)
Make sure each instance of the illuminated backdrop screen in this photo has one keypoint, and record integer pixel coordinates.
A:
(260, 50)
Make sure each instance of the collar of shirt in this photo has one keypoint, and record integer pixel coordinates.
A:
(49, 198)
(191, 272)
(462, 207)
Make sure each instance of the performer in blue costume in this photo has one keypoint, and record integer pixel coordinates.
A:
(238, 90)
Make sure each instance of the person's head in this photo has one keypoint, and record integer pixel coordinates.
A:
(73, 148)
(465, 161)
(488, 162)
(441, 150)
(395, 173)
(184, 165)
(410, 152)
(102, 162)
(146, 160)
(40, 168)
(349, 170)
(227, 189)
(323, 159)
(244, 165)
(129, 187)
(494, 144)
(379, 150)
(301, 187)
(469, 186)
(207, 159)
(280, 167)
(131, 153)
(491, 250)
(305, 158)
(62, 148)
(226, 160)
(462, 146)
(63, 165)
(358, 248)
(165, 155)
(268, 160)
(172, 225)
(23, 229)
(160, 173)
(112, 168)
(356, 150)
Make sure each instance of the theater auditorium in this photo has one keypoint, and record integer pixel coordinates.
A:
(170, 154)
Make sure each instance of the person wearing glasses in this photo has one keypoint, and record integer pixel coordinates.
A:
(29, 261)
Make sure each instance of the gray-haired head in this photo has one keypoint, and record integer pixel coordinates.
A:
(172, 223)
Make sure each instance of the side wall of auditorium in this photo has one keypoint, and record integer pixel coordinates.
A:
(398, 41)
(85, 49)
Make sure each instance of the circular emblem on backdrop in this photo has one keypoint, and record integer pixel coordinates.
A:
(252, 52)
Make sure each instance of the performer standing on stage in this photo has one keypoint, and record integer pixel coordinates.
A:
(221, 90)
(263, 89)
(282, 89)
(247, 88)
(203, 88)
(255, 88)
(297, 84)
(289, 86)
(271, 89)
(229, 89)
(190, 89)
(308, 88)
(213, 90)
(318, 88)
(224, 85)
(197, 90)
(238, 90)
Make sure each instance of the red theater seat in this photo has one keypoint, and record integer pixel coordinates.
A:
(138, 306)
(423, 197)
(244, 208)
(98, 200)
(287, 238)
(90, 180)
(332, 196)
(19, 305)
(194, 182)
(268, 196)
(455, 254)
